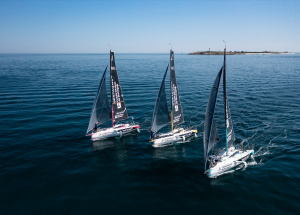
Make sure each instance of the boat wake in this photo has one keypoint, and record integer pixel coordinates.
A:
(265, 150)
(269, 149)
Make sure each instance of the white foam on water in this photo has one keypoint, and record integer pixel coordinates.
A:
(262, 154)
(249, 138)
(252, 162)
(267, 149)
(278, 136)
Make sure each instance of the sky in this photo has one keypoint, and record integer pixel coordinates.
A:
(148, 26)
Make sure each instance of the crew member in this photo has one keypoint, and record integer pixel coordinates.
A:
(242, 147)
(151, 134)
(95, 127)
(216, 158)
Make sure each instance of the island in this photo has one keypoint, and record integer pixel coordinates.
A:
(234, 52)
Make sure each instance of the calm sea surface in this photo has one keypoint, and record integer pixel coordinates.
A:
(49, 166)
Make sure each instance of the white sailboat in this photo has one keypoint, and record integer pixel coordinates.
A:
(102, 112)
(230, 157)
(161, 115)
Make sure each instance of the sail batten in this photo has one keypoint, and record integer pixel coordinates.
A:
(101, 107)
(211, 137)
(119, 111)
(177, 114)
(161, 115)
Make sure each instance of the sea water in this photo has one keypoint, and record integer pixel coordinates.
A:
(49, 166)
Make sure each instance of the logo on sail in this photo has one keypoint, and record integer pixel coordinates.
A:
(174, 97)
(120, 114)
(119, 105)
(115, 93)
(176, 119)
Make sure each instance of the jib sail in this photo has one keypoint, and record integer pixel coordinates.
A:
(161, 115)
(211, 137)
(101, 108)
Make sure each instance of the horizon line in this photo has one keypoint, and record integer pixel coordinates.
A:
(129, 52)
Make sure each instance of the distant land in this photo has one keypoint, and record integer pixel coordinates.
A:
(234, 52)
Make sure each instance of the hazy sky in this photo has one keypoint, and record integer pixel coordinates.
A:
(148, 26)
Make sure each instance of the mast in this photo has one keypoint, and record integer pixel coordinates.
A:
(171, 121)
(112, 107)
(225, 96)
(171, 65)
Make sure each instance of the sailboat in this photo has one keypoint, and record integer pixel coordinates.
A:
(102, 112)
(161, 116)
(230, 157)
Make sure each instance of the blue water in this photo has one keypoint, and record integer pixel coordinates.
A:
(48, 166)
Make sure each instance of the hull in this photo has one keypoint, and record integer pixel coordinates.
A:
(167, 139)
(116, 131)
(226, 163)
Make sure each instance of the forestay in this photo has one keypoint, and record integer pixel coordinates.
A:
(117, 101)
(161, 115)
(211, 137)
(175, 100)
(101, 108)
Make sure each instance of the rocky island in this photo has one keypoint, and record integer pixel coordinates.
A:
(234, 53)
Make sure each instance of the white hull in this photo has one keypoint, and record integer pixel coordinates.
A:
(166, 139)
(116, 131)
(225, 163)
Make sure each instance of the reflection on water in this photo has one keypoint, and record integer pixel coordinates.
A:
(115, 147)
(103, 144)
(173, 152)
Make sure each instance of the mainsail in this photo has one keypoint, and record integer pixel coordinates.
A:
(175, 100)
(211, 137)
(161, 115)
(117, 102)
(101, 108)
